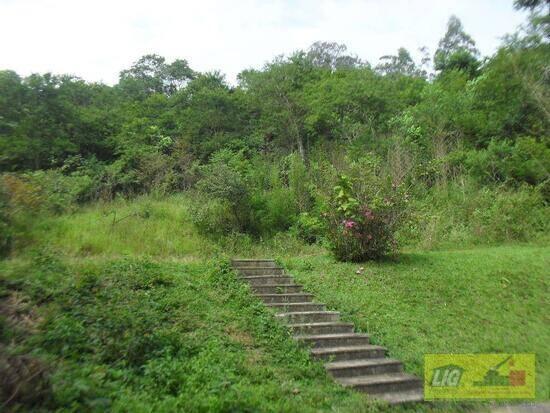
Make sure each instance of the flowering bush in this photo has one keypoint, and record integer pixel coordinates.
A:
(361, 223)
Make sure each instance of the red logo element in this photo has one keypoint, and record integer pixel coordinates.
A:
(517, 378)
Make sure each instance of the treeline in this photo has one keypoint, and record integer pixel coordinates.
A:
(256, 150)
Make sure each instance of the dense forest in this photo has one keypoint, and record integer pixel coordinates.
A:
(453, 148)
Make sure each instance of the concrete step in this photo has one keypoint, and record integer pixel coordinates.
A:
(285, 298)
(294, 307)
(321, 328)
(277, 288)
(244, 263)
(261, 271)
(367, 351)
(300, 317)
(349, 357)
(267, 279)
(406, 396)
(334, 340)
(363, 367)
(382, 383)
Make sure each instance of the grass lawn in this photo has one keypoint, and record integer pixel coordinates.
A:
(483, 300)
(124, 307)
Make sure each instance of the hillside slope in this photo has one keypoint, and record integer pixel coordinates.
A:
(122, 306)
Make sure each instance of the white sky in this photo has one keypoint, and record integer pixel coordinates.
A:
(97, 39)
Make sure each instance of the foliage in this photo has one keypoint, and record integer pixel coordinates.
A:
(363, 219)
(138, 334)
(456, 50)
(151, 74)
(6, 232)
(214, 217)
(263, 155)
(332, 56)
(400, 64)
(273, 211)
(309, 228)
(524, 161)
(242, 198)
(463, 213)
(45, 118)
(90, 314)
(230, 206)
(45, 191)
(110, 298)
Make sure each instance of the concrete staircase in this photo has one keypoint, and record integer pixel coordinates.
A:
(349, 357)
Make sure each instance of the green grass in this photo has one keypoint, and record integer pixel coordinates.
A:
(126, 308)
(146, 226)
(483, 300)
(143, 336)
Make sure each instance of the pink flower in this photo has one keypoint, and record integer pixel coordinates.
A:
(368, 214)
(348, 223)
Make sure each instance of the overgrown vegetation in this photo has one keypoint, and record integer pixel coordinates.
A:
(265, 154)
(138, 335)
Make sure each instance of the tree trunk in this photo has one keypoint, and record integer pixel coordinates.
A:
(301, 149)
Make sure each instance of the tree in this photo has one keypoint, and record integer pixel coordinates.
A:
(151, 74)
(278, 93)
(45, 118)
(12, 100)
(330, 55)
(401, 64)
(531, 4)
(539, 21)
(211, 115)
(456, 50)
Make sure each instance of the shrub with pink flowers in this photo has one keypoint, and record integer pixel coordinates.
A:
(362, 221)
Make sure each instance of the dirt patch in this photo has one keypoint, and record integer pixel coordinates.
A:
(23, 378)
(239, 336)
(18, 313)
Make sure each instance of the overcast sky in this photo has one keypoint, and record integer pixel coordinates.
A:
(97, 39)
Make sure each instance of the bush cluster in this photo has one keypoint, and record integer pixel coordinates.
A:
(362, 220)
(239, 195)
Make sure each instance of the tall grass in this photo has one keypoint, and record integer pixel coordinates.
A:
(463, 214)
(145, 226)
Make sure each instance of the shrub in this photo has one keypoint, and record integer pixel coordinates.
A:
(213, 217)
(512, 216)
(59, 193)
(45, 191)
(362, 220)
(524, 161)
(272, 211)
(224, 184)
(463, 213)
(22, 194)
(309, 228)
(249, 197)
(299, 182)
